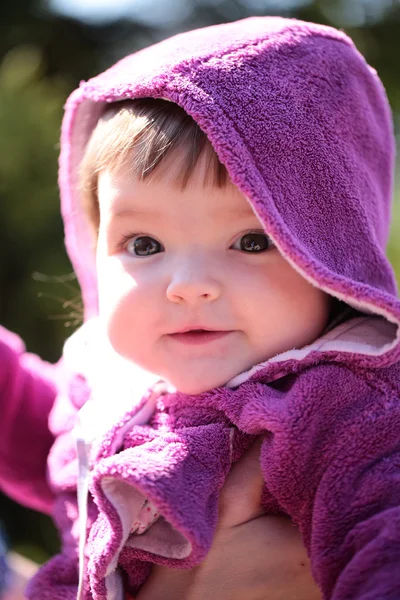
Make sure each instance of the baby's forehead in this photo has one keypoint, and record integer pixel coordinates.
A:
(120, 191)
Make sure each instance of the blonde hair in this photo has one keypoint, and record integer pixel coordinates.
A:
(153, 128)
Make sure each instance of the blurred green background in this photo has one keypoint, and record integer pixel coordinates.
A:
(46, 48)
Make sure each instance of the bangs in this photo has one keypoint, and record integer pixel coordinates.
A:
(145, 134)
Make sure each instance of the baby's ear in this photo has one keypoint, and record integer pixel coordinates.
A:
(240, 499)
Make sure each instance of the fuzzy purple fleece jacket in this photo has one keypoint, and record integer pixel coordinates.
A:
(303, 126)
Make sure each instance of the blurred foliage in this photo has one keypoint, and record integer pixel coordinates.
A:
(43, 56)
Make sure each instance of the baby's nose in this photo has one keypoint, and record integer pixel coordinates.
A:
(193, 286)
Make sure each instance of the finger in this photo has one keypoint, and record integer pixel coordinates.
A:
(240, 499)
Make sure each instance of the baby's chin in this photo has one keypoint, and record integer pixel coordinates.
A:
(198, 379)
(198, 385)
(196, 390)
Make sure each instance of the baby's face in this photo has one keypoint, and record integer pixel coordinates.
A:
(190, 287)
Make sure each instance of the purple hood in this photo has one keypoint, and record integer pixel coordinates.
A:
(303, 126)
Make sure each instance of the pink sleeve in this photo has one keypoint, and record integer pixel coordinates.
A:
(27, 393)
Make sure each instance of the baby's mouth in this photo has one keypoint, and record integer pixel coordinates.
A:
(198, 336)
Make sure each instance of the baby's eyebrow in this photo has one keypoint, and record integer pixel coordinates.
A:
(242, 212)
(135, 213)
(152, 213)
(234, 213)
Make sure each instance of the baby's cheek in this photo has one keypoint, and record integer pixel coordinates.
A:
(121, 321)
(283, 310)
(129, 326)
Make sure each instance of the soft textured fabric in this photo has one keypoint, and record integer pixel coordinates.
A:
(303, 126)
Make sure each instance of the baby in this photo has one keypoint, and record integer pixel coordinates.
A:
(226, 197)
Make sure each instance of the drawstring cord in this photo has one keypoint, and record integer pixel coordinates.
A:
(83, 449)
(85, 437)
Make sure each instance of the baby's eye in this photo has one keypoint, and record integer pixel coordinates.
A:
(143, 245)
(253, 242)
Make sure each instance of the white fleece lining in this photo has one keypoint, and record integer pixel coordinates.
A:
(114, 586)
(127, 502)
(113, 490)
(154, 540)
(356, 335)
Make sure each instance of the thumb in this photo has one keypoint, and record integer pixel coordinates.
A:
(240, 499)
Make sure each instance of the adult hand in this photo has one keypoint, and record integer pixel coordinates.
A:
(253, 557)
